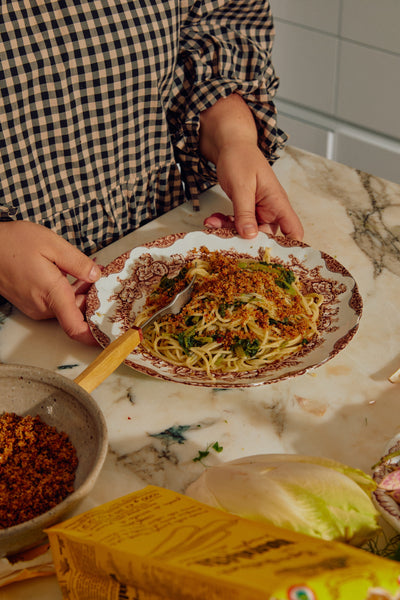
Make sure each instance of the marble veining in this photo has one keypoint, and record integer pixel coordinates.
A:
(371, 231)
(375, 233)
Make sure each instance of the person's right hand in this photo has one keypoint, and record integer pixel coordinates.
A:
(34, 264)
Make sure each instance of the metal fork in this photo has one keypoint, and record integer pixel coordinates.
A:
(174, 307)
(116, 352)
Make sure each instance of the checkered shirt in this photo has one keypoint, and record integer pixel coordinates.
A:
(100, 103)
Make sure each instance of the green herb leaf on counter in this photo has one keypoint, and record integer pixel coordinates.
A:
(217, 447)
(204, 453)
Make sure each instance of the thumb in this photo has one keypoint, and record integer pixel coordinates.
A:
(63, 303)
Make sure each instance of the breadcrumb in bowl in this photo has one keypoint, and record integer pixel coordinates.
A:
(61, 404)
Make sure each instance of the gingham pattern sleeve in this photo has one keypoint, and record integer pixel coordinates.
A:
(225, 47)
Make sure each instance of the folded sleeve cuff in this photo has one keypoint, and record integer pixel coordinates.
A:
(225, 48)
(199, 174)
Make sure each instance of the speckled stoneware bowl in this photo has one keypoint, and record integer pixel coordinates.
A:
(63, 404)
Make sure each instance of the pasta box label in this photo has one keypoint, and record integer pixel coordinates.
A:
(156, 544)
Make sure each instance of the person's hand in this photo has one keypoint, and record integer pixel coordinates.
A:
(34, 264)
(229, 139)
(259, 201)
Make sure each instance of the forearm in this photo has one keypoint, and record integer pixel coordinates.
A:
(228, 121)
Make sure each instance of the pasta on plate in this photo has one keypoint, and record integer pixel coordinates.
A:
(243, 314)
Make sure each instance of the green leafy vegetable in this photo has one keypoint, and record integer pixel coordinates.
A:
(285, 321)
(168, 283)
(188, 339)
(192, 320)
(311, 495)
(225, 306)
(283, 277)
(245, 347)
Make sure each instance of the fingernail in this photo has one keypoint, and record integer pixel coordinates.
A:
(250, 230)
(94, 273)
(212, 222)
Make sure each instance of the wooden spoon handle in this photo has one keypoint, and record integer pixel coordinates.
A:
(109, 359)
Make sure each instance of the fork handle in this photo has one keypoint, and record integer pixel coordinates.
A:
(109, 359)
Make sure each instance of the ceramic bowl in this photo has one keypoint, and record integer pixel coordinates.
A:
(63, 404)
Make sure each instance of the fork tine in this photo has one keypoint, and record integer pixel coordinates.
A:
(175, 306)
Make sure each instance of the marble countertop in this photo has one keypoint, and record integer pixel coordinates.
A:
(346, 409)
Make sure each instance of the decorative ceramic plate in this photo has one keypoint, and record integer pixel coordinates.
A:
(115, 300)
(387, 474)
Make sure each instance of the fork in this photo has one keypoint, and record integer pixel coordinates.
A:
(115, 353)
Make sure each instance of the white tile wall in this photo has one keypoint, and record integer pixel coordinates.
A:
(304, 135)
(305, 61)
(372, 22)
(369, 88)
(318, 14)
(368, 157)
(339, 68)
(339, 141)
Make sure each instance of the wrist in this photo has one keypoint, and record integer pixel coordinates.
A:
(228, 122)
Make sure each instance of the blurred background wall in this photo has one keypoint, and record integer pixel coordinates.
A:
(339, 67)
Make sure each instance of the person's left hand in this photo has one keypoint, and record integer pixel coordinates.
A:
(229, 139)
(259, 201)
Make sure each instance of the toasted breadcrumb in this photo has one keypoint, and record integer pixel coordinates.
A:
(37, 468)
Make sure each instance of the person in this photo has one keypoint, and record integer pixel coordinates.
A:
(115, 112)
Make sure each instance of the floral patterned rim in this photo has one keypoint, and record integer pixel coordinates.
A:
(119, 295)
(387, 506)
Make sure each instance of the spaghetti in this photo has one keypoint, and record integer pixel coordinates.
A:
(243, 314)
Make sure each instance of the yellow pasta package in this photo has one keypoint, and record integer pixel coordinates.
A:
(156, 544)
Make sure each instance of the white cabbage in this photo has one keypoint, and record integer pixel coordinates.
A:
(315, 496)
